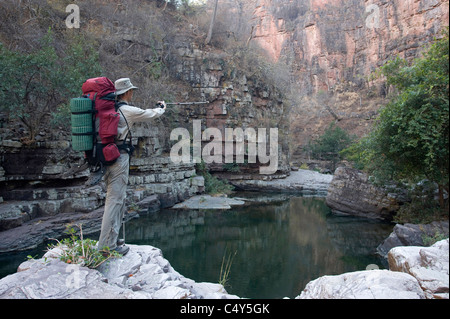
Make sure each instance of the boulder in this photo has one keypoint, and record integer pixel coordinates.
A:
(412, 235)
(374, 284)
(142, 274)
(53, 279)
(429, 265)
(352, 193)
(415, 273)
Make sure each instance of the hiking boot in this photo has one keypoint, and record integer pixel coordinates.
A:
(120, 242)
(122, 250)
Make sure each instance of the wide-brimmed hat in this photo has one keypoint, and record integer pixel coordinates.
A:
(123, 86)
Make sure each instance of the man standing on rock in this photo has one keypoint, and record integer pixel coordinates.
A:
(116, 176)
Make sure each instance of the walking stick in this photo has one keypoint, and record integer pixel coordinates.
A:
(184, 103)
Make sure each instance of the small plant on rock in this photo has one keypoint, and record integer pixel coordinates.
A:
(80, 251)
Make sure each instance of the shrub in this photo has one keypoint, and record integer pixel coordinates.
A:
(80, 251)
(213, 185)
(37, 86)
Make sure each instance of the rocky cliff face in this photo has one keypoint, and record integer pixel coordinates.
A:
(237, 100)
(336, 41)
(334, 46)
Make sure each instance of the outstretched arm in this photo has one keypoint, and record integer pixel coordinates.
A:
(135, 114)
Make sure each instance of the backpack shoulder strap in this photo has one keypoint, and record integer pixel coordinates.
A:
(128, 147)
(118, 106)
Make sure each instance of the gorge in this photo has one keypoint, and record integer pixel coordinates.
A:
(294, 66)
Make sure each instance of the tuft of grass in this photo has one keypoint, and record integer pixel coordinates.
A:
(79, 251)
(225, 269)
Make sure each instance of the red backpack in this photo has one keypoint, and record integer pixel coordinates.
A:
(95, 122)
(100, 98)
(102, 92)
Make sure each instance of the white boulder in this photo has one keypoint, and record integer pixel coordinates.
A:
(142, 274)
(429, 265)
(374, 284)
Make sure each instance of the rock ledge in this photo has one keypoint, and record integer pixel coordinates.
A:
(142, 274)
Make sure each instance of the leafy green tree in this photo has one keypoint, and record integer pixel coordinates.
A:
(410, 140)
(328, 146)
(37, 86)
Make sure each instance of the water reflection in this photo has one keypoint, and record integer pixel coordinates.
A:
(281, 246)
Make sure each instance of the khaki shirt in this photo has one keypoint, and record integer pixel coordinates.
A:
(135, 115)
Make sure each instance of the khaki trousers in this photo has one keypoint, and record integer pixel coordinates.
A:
(116, 179)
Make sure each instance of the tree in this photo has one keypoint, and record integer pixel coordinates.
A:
(330, 144)
(213, 21)
(37, 86)
(410, 141)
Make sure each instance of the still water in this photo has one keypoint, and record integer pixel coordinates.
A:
(279, 243)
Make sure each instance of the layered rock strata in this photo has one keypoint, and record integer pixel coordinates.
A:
(351, 193)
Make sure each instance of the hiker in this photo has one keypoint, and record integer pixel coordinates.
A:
(116, 176)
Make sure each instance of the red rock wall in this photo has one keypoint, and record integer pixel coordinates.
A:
(333, 47)
(326, 37)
